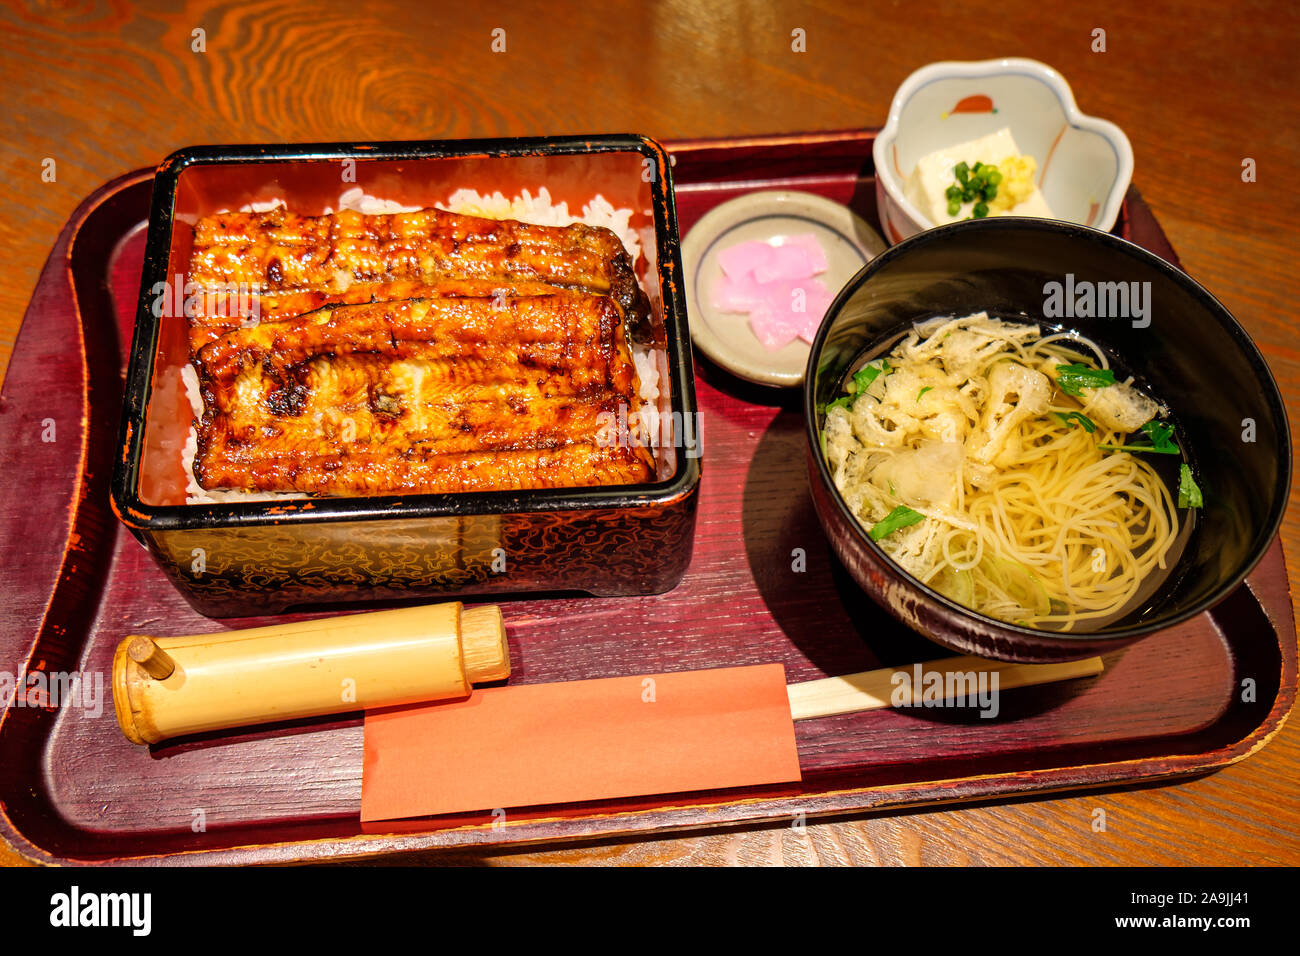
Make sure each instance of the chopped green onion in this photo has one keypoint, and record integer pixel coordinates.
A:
(901, 517)
(844, 401)
(923, 391)
(1189, 496)
(1073, 379)
(977, 184)
(1068, 419)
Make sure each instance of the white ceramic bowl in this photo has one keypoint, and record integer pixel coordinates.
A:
(1084, 163)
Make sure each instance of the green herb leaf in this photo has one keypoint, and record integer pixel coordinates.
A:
(1189, 495)
(1161, 436)
(864, 376)
(901, 517)
(923, 391)
(1073, 379)
(1069, 418)
(1140, 448)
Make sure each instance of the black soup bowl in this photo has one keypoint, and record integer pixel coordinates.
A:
(1181, 345)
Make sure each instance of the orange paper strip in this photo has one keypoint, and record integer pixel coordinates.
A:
(581, 740)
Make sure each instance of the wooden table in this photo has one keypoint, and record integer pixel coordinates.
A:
(1199, 87)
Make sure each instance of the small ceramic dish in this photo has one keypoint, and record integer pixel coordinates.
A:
(727, 337)
(1084, 163)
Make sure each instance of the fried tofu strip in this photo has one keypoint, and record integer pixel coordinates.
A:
(431, 395)
(349, 257)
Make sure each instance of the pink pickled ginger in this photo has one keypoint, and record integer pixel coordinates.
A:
(774, 282)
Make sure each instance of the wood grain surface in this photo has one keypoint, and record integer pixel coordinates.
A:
(99, 88)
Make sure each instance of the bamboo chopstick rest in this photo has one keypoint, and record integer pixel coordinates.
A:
(170, 686)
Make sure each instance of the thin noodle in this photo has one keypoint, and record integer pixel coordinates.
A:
(1033, 523)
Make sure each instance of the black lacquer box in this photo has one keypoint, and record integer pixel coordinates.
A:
(236, 558)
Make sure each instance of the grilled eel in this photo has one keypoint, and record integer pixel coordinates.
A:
(426, 395)
(292, 264)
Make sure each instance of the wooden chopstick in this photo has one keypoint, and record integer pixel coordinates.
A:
(872, 690)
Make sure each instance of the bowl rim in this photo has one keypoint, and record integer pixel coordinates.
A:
(962, 69)
(138, 515)
(1227, 321)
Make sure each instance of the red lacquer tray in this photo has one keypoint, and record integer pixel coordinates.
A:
(74, 583)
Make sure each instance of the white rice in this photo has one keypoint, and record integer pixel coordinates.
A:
(538, 210)
(357, 200)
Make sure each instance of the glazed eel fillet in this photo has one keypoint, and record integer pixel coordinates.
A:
(292, 264)
(424, 395)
